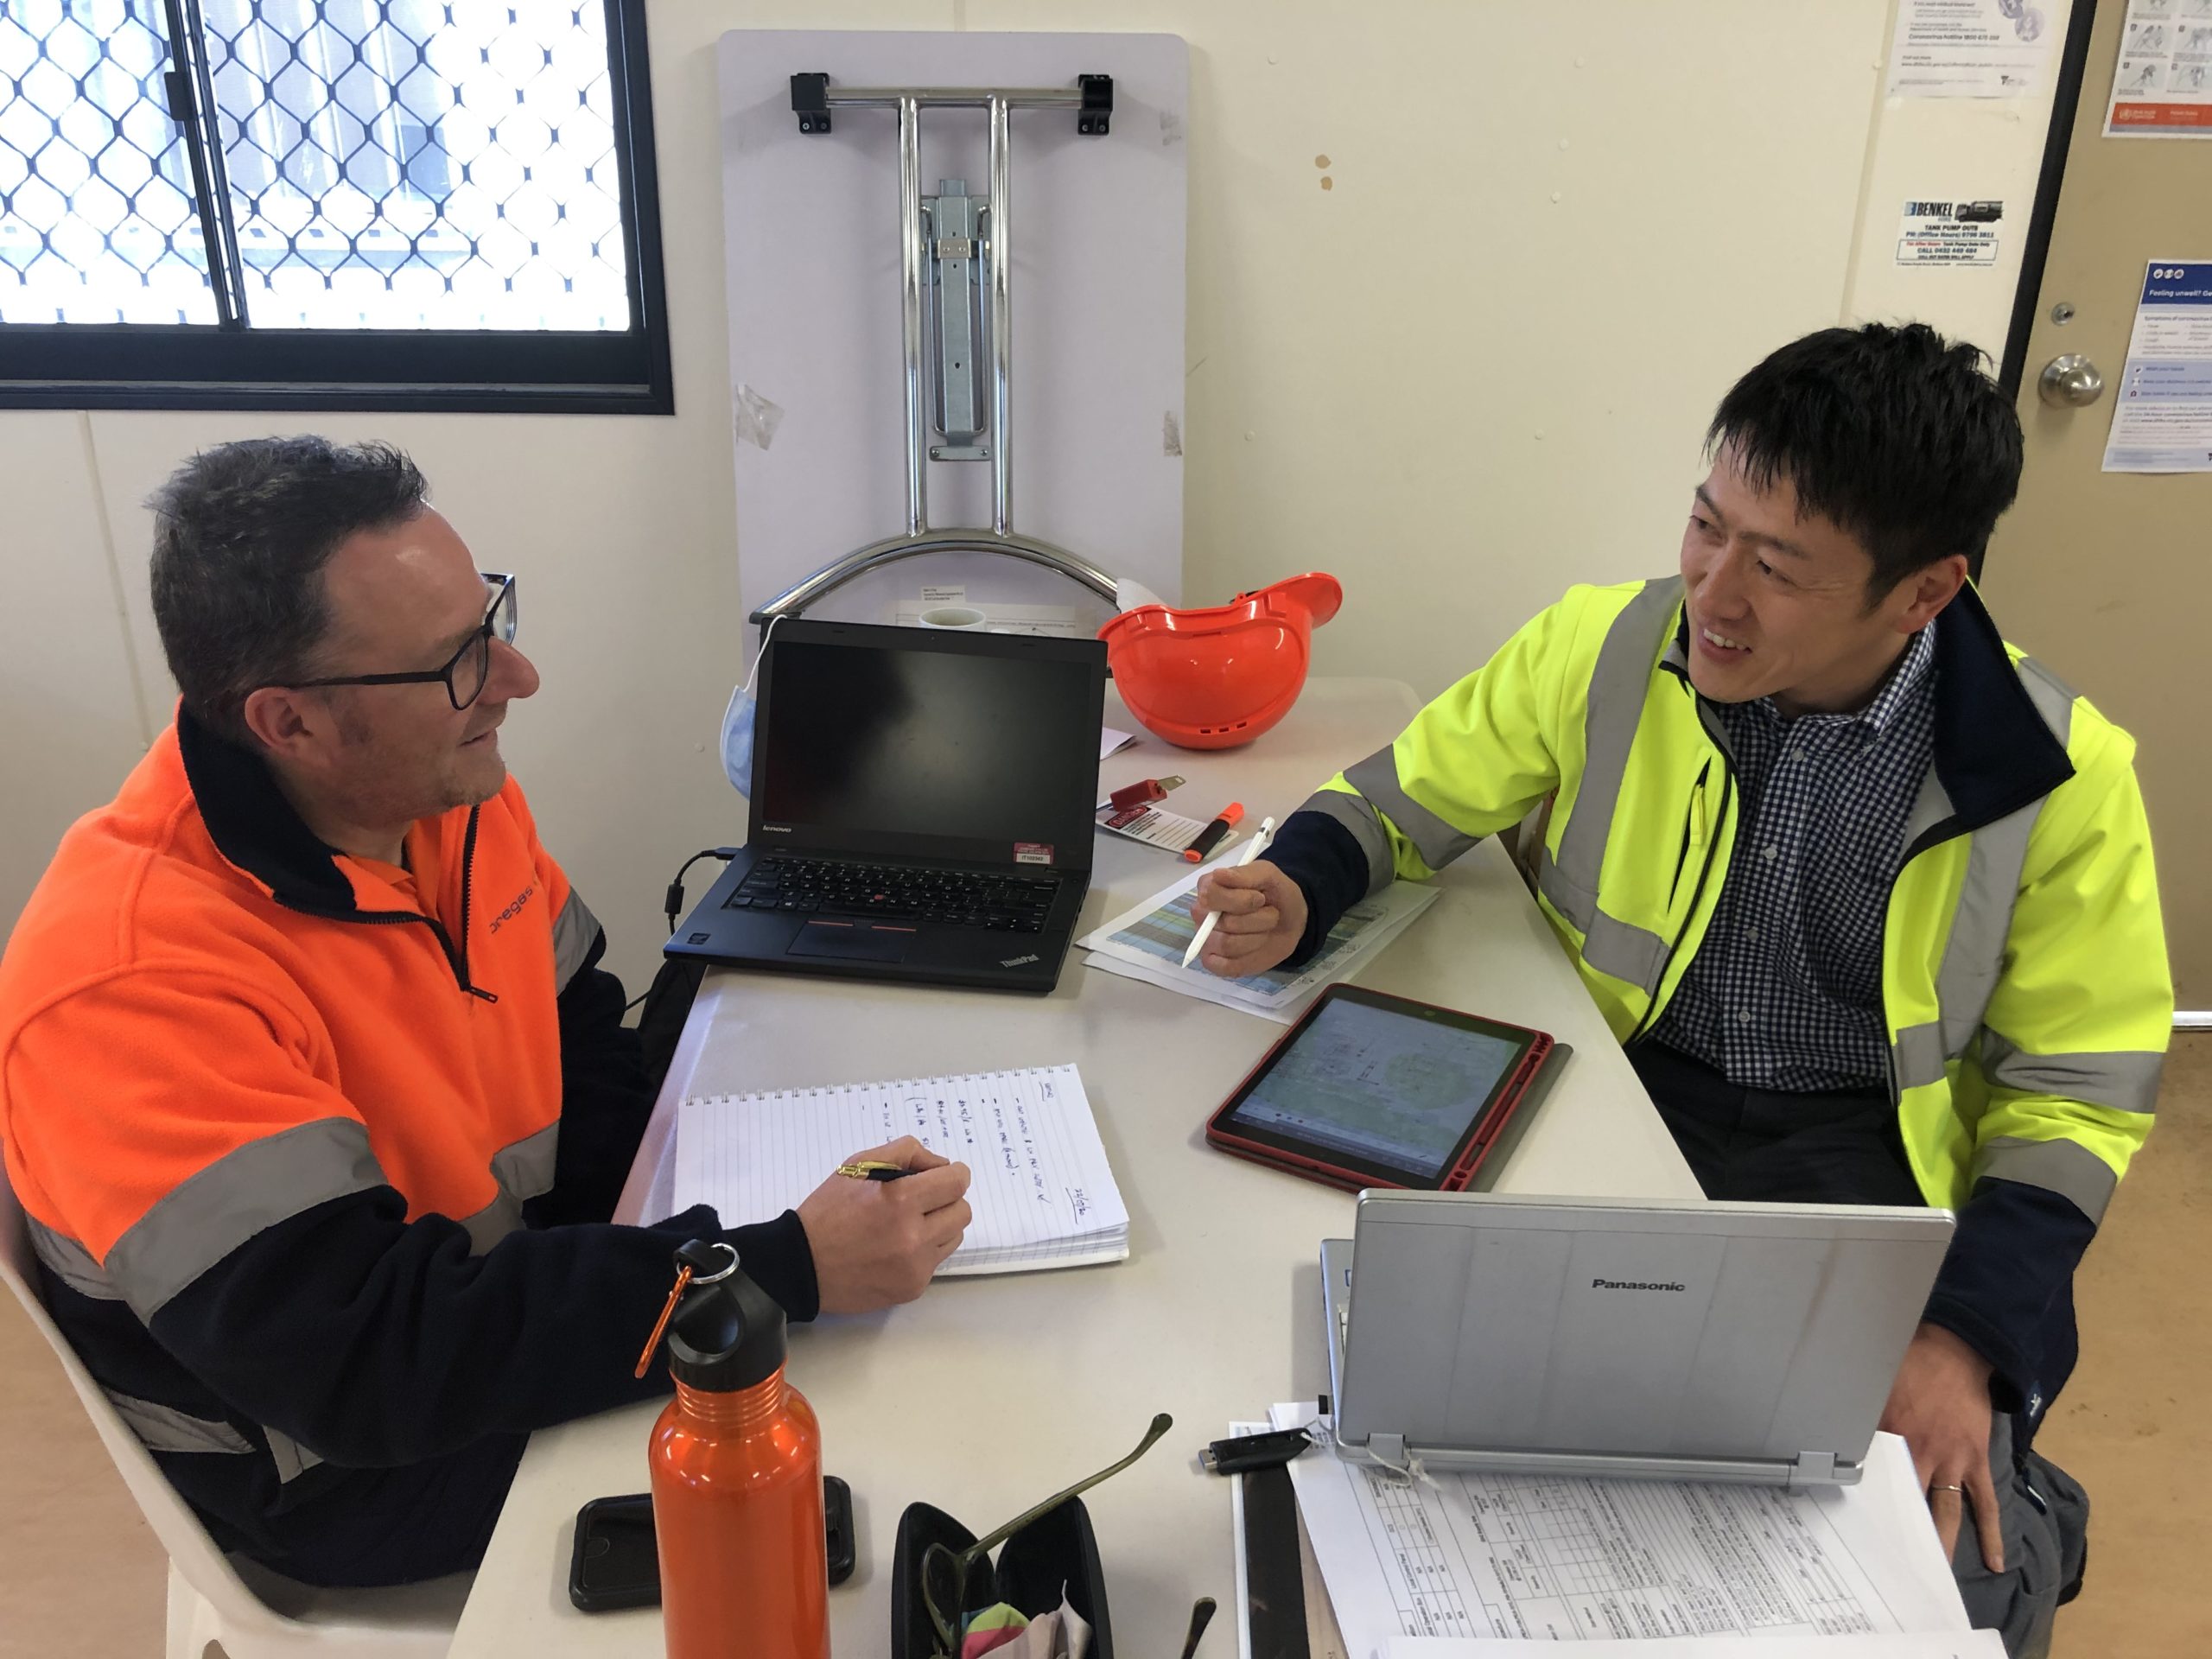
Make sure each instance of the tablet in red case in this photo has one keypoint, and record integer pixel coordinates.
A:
(1371, 1089)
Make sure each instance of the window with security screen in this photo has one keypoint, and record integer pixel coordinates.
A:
(323, 203)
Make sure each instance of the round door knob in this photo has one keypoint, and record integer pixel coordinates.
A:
(2070, 382)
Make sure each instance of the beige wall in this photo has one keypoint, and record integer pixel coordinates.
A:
(1473, 370)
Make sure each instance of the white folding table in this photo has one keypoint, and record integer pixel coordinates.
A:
(988, 1395)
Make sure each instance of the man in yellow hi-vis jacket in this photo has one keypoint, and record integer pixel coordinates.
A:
(1867, 893)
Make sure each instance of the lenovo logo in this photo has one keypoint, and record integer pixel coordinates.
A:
(776, 829)
(1016, 962)
(1631, 1284)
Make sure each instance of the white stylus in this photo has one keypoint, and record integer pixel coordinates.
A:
(1205, 928)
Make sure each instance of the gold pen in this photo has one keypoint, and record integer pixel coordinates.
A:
(874, 1172)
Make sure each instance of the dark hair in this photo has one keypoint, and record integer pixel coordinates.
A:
(1894, 435)
(241, 535)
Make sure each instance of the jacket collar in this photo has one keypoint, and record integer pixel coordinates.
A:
(1994, 752)
(254, 826)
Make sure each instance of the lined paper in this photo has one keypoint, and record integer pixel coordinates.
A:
(1043, 1193)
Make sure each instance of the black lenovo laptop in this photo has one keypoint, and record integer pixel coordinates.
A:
(922, 808)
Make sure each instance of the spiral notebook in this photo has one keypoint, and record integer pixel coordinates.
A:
(1043, 1194)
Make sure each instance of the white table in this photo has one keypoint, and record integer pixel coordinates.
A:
(989, 1394)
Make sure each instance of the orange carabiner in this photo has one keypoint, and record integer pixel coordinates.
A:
(645, 1359)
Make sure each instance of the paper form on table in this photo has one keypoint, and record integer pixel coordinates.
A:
(1526, 1556)
(1961, 1644)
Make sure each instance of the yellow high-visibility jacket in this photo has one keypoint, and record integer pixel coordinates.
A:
(2025, 985)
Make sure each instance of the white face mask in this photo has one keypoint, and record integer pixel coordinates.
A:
(737, 724)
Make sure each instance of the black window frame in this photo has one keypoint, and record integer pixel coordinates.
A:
(152, 366)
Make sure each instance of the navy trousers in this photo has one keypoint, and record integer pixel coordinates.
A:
(1843, 1147)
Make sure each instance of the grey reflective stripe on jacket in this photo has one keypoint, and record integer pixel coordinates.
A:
(2126, 1081)
(574, 931)
(159, 1427)
(1358, 816)
(164, 1428)
(1376, 779)
(1974, 958)
(244, 1193)
(292, 1459)
(2061, 1166)
(70, 1262)
(1974, 955)
(1568, 879)
(523, 1171)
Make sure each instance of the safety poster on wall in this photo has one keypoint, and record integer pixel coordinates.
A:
(2162, 86)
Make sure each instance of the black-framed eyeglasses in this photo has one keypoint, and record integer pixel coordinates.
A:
(465, 674)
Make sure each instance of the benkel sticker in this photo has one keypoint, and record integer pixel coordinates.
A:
(1950, 232)
(1033, 852)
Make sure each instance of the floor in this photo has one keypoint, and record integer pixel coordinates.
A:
(81, 1574)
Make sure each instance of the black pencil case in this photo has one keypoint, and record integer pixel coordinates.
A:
(1055, 1555)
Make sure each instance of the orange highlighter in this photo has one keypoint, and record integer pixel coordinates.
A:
(1209, 837)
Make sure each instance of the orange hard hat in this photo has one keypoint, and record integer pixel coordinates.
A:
(1216, 677)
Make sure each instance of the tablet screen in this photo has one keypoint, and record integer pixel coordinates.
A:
(1391, 1086)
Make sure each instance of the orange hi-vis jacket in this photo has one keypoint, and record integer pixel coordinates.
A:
(316, 1153)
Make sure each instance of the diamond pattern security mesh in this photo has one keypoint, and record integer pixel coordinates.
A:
(98, 222)
(389, 163)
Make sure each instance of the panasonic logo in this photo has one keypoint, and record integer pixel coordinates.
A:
(1016, 962)
(1631, 1284)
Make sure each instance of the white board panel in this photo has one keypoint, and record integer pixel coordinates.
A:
(810, 226)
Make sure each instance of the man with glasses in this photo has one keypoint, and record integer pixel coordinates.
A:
(313, 1089)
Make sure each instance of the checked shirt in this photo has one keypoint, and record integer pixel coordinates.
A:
(1785, 991)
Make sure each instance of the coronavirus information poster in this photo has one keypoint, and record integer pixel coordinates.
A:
(2162, 414)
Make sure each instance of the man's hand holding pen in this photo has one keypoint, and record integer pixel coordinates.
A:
(876, 1239)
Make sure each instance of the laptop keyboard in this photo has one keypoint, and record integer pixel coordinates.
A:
(1007, 904)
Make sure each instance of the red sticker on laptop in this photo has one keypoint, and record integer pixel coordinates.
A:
(1033, 852)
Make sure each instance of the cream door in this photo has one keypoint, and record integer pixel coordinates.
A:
(2107, 576)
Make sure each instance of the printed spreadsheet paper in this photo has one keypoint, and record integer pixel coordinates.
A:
(1147, 943)
(1952, 1644)
(1043, 1194)
(1570, 1559)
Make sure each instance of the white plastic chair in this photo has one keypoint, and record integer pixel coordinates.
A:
(211, 1608)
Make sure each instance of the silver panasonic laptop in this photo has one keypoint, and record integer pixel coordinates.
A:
(1691, 1340)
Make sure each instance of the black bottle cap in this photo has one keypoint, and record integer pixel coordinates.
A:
(728, 1333)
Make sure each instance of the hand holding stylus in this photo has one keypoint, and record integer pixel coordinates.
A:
(1259, 845)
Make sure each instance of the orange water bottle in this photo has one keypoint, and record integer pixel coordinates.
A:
(736, 1464)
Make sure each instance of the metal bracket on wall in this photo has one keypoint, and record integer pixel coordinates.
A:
(955, 258)
(1092, 100)
(955, 231)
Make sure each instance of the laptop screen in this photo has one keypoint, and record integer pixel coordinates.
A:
(923, 743)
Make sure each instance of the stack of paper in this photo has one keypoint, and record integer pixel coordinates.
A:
(1478, 1557)
(1960, 1644)
(1043, 1194)
(1147, 943)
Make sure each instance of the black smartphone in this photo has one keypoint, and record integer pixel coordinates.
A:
(616, 1563)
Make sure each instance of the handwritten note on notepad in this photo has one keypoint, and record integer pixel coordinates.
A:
(1043, 1193)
